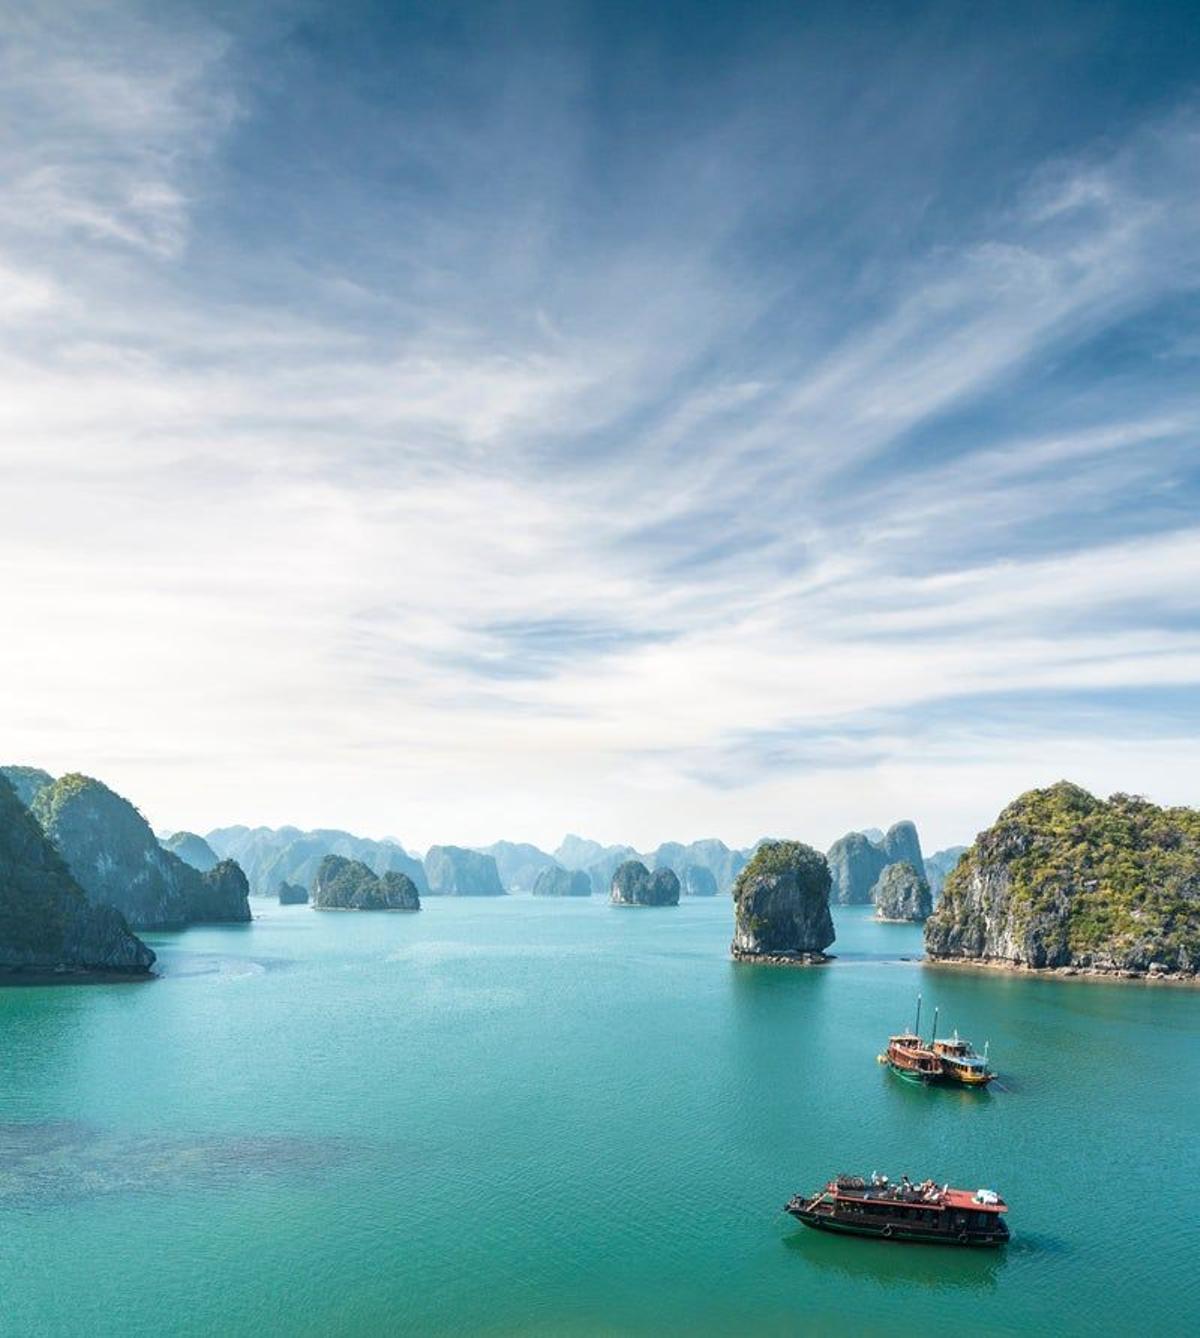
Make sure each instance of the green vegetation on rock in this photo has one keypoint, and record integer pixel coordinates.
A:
(348, 885)
(1066, 879)
(902, 894)
(939, 865)
(781, 903)
(634, 885)
(117, 860)
(27, 781)
(46, 922)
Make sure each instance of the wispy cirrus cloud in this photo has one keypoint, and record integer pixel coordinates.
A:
(495, 442)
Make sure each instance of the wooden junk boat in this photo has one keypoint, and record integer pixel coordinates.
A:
(926, 1213)
(935, 1061)
(961, 1064)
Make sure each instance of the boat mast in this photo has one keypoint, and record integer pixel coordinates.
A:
(917, 1023)
(933, 1033)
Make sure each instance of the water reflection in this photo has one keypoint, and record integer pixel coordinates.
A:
(935, 1267)
(910, 1094)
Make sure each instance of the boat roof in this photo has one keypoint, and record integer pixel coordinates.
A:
(965, 1198)
(949, 1197)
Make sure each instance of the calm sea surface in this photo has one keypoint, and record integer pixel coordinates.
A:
(565, 1118)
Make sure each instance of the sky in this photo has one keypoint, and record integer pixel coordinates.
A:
(653, 421)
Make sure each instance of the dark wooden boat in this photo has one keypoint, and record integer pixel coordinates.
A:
(926, 1213)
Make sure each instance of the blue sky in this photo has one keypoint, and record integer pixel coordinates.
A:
(468, 421)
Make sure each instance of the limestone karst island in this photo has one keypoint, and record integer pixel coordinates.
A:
(600, 669)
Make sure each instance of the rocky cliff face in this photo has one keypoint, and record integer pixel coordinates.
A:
(193, 850)
(556, 882)
(601, 870)
(221, 896)
(577, 852)
(292, 894)
(781, 905)
(455, 872)
(634, 885)
(855, 864)
(254, 848)
(697, 881)
(1065, 880)
(27, 781)
(940, 865)
(114, 857)
(597, 861)
(519, 864)
(902, 894)
(348, 885)
(902, 845)
(712, 855)
(271, 855)
(47, 924)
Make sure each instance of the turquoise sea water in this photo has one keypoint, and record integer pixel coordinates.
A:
(522, 1116)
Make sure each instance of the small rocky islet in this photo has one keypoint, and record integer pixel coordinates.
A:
(857, 862)
(634, 885)
(348, 885)
(1062, 882)
(902, 894)
(781, 906)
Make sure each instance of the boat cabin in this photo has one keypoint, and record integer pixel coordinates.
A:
(905, 1211)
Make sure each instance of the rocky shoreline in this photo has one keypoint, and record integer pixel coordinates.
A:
(781, 958)
(1152, 977)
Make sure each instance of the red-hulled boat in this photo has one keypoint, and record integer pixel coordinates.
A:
(926, 1213)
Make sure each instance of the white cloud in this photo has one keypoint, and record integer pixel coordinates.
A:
(270, 560)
